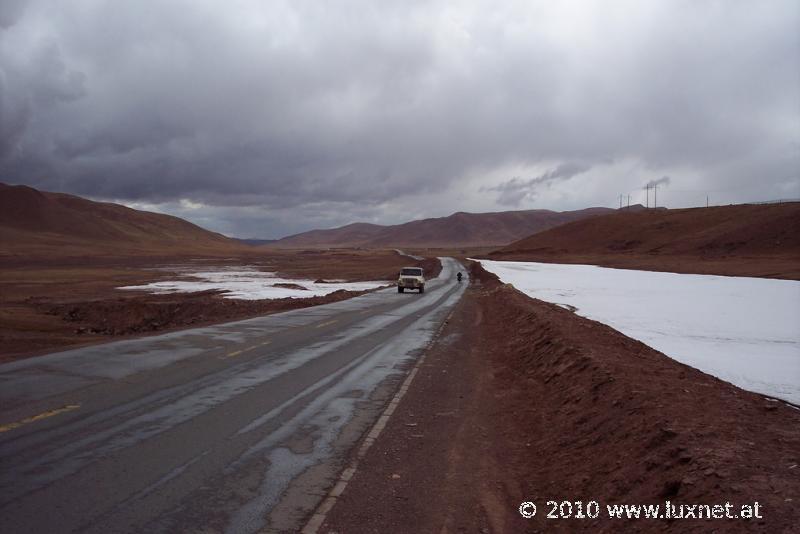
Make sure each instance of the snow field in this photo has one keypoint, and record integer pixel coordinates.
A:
(250, 284)
(742, 330)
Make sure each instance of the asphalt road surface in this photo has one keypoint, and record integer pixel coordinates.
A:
(240, 427)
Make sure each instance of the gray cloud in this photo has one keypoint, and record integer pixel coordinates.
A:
(306, 113)
(516, 190)
(664, 180)
(10, 11)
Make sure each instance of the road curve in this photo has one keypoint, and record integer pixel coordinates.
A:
(237, 428)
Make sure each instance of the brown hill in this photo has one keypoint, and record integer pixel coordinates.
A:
(40, 224)
(457, 230)
(351, 235)
(744, 240)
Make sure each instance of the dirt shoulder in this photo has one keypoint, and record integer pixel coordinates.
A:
(52, 305)
(520, 400)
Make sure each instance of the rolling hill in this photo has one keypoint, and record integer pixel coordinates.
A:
(457, 230)
(355, 234)
(41, 224)
(746, 240)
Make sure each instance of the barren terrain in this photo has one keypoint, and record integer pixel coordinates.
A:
(63, 257)
(742, 240)
(45, 225)
(48, 305)
(521, 400)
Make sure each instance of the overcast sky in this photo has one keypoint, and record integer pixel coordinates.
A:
(260, 119)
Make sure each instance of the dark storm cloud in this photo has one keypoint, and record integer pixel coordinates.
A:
(10, 11)
(514, 191)
(304, 113)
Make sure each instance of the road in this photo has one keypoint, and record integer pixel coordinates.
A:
(240, 427)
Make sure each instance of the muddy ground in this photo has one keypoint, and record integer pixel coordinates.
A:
(521, 400)
(51, 305)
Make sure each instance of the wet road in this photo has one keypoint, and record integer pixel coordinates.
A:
(240, 427)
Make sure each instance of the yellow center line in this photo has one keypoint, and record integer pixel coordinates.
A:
(327, 323)
(39, 417)
(238, 352)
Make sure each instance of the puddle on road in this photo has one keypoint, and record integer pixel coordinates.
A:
(330, 411)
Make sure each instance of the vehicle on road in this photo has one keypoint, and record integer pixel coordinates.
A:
(411, 278)
(459, 276)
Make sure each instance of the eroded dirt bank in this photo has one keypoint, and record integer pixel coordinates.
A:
(521, 400)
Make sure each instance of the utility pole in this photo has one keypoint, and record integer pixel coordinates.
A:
(620, 202)
(655, 196)
(706, 200)
(647, 202)
(629, 201)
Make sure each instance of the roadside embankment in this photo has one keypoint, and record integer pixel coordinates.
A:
(612, 419)
(525, 401)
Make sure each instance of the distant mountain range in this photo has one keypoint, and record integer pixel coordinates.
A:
(43, 224)
(37, 223)
(457, 230)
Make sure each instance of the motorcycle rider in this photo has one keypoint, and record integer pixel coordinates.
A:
(459, 276)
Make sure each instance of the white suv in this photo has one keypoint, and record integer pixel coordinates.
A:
(411, 278)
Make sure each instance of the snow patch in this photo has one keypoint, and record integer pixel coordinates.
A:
(249, 283)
